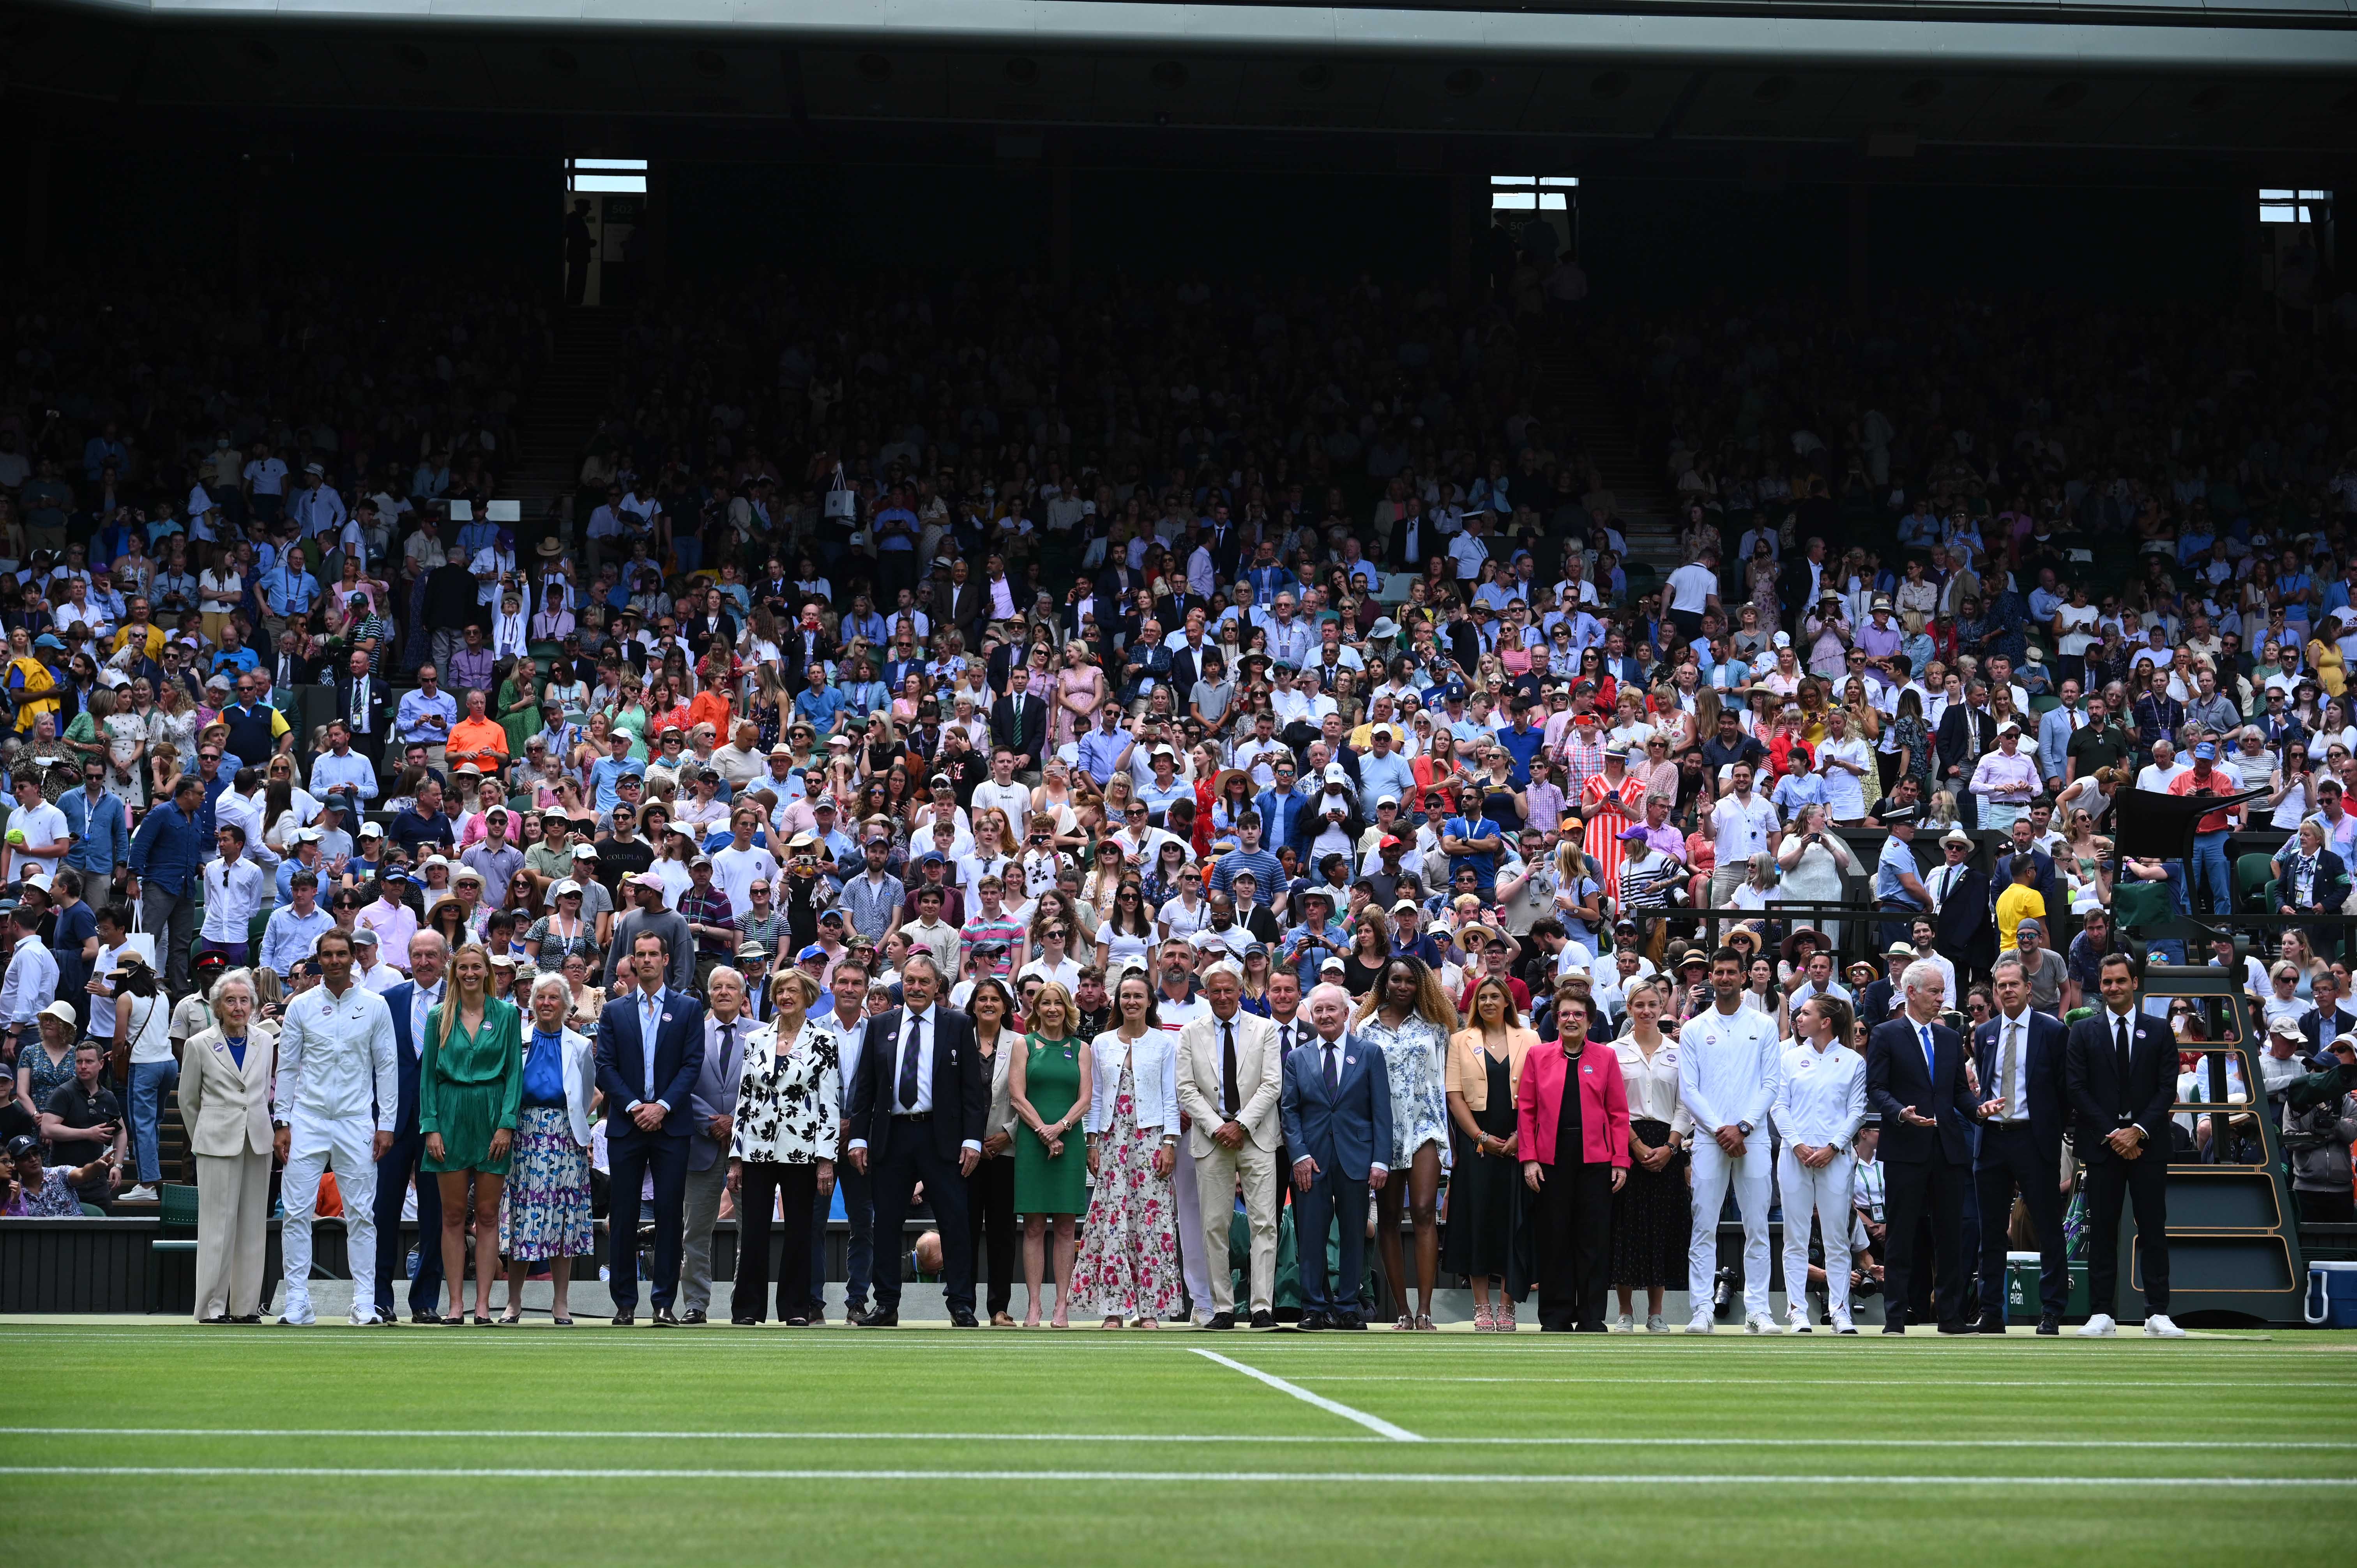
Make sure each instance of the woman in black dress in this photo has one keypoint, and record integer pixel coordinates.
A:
(1490, 1237)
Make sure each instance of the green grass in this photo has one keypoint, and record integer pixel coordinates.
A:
(597, 1446)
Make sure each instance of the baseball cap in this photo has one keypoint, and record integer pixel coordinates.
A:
(2206, 751)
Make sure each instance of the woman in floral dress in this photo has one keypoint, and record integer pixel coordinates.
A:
(544, 1205)
(1409, 1018)
(1128, 1268)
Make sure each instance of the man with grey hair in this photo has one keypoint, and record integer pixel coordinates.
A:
(1337, 1128)
(1915, 1081)
(1231, 1082)
(713, 1102)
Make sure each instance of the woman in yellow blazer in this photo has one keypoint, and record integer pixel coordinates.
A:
(1490, 1239)
(225, 1078)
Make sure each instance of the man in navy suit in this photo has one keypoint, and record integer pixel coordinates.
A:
(1337, 1114)
(408, 1003)
(2024, 1105)
(649, 1049)
(2121, 1068)
(917, 1114)
(1915, 1082)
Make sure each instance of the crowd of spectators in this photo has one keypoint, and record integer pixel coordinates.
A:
(1263, 634)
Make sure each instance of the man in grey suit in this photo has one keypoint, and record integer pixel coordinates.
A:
(1338, 1124)
(712, 1100)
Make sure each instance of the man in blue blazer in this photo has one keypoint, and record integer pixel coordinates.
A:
(1336, 1112)
(650, 1049)
(2121, 1067)
(1915, 1082)
(2025, 1106)
(409, 1002)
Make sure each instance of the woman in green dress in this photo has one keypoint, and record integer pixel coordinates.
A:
(1047, 1085)
(469, 1093)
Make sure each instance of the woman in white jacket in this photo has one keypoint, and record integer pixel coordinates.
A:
(225, 1081)
(544, 1207)
(1128, 1268)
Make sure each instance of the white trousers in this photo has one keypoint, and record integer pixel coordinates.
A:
(1215, 1196)
(1712, 1173)
(1189, 1201)
(347, 1148)
(1826, 1190)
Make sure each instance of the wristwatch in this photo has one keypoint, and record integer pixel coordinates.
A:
(1744, 1128)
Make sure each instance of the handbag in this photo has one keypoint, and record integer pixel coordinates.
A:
(842, 501)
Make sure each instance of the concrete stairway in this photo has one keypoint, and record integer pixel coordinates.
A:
(561, 413)
(1647, 508)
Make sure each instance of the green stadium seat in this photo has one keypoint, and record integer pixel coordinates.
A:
(2044, 702)
(2252, 873)
(2136, 904)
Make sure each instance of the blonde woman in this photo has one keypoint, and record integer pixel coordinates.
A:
(469, 1093)
(1651, 1218)
(1490, 1241)
(1049, 1088)
(544, 1203)
(788, 1120)
(1127, 1269)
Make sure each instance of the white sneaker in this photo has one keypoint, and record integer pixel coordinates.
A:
(1842, 1325)
(2099, 1327)
(1761, 1323)
(1628, 1324)
(1656, 1324)
(143, 1193)
(2157, 1326)
(1701, 1324)
(1797, 1322)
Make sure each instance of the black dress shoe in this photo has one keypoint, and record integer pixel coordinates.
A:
(247, 1321)
(663, 1318)
(1989, 1325)
(2050, 1324)
(1593, 1328)
(1894, 1328)
(692, 1318)
(624, 1317)
(1314, 1320)
(1221, 1320)
(744, 1322)
(884, 1318)
(221, 1322)
(427, 1318)
(1263, 1319)
(959, 1320)
(1958, 1328)
(1353, 1321)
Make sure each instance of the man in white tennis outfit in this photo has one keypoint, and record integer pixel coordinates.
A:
(339, 1097)
(1727, 1062)
(1819, 1106)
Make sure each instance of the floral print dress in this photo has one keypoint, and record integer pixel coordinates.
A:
(1128, 1263)
(1414, 1058)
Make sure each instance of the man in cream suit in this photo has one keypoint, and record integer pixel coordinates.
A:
(225, 1102)
(1231, 1083)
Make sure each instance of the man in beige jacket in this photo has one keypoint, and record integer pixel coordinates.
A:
(225, 1080)
(1231, 1079)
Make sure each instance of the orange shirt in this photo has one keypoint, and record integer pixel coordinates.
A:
(2189, 783)
(477, 740)
(711, 707)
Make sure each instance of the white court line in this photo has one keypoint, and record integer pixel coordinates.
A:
(2058, 1385)
(1184, 1477)
(437, 1433)
(1372, 1423)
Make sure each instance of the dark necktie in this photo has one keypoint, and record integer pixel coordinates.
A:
(909, 1064)
(728, 1044)
(2120, 1056)
(1333, 1073)
(1285, 1039)
(1228, 1102)
(1017, 705)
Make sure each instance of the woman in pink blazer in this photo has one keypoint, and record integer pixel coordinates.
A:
(1575, 1151)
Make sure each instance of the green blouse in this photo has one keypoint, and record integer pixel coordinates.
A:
(492, 1054)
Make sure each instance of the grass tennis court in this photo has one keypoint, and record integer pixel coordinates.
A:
(140, 1444)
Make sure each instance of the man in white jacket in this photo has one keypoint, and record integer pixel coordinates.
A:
(1820, 1104)
(1726, 1075)
(339, 1095)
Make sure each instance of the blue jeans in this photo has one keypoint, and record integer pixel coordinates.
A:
(2210, 870)
(148, 1081)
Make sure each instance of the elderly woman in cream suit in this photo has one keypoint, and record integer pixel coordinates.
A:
(225, 1078)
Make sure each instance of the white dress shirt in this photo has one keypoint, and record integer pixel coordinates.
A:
(1727, 1067)
(1742, 831)
(422, 1001)
(32, 985)
(335, 1058)
(924, 1027)
(650, 1005)
(1820, 1096)
(234, 891)
(2016, 1089)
